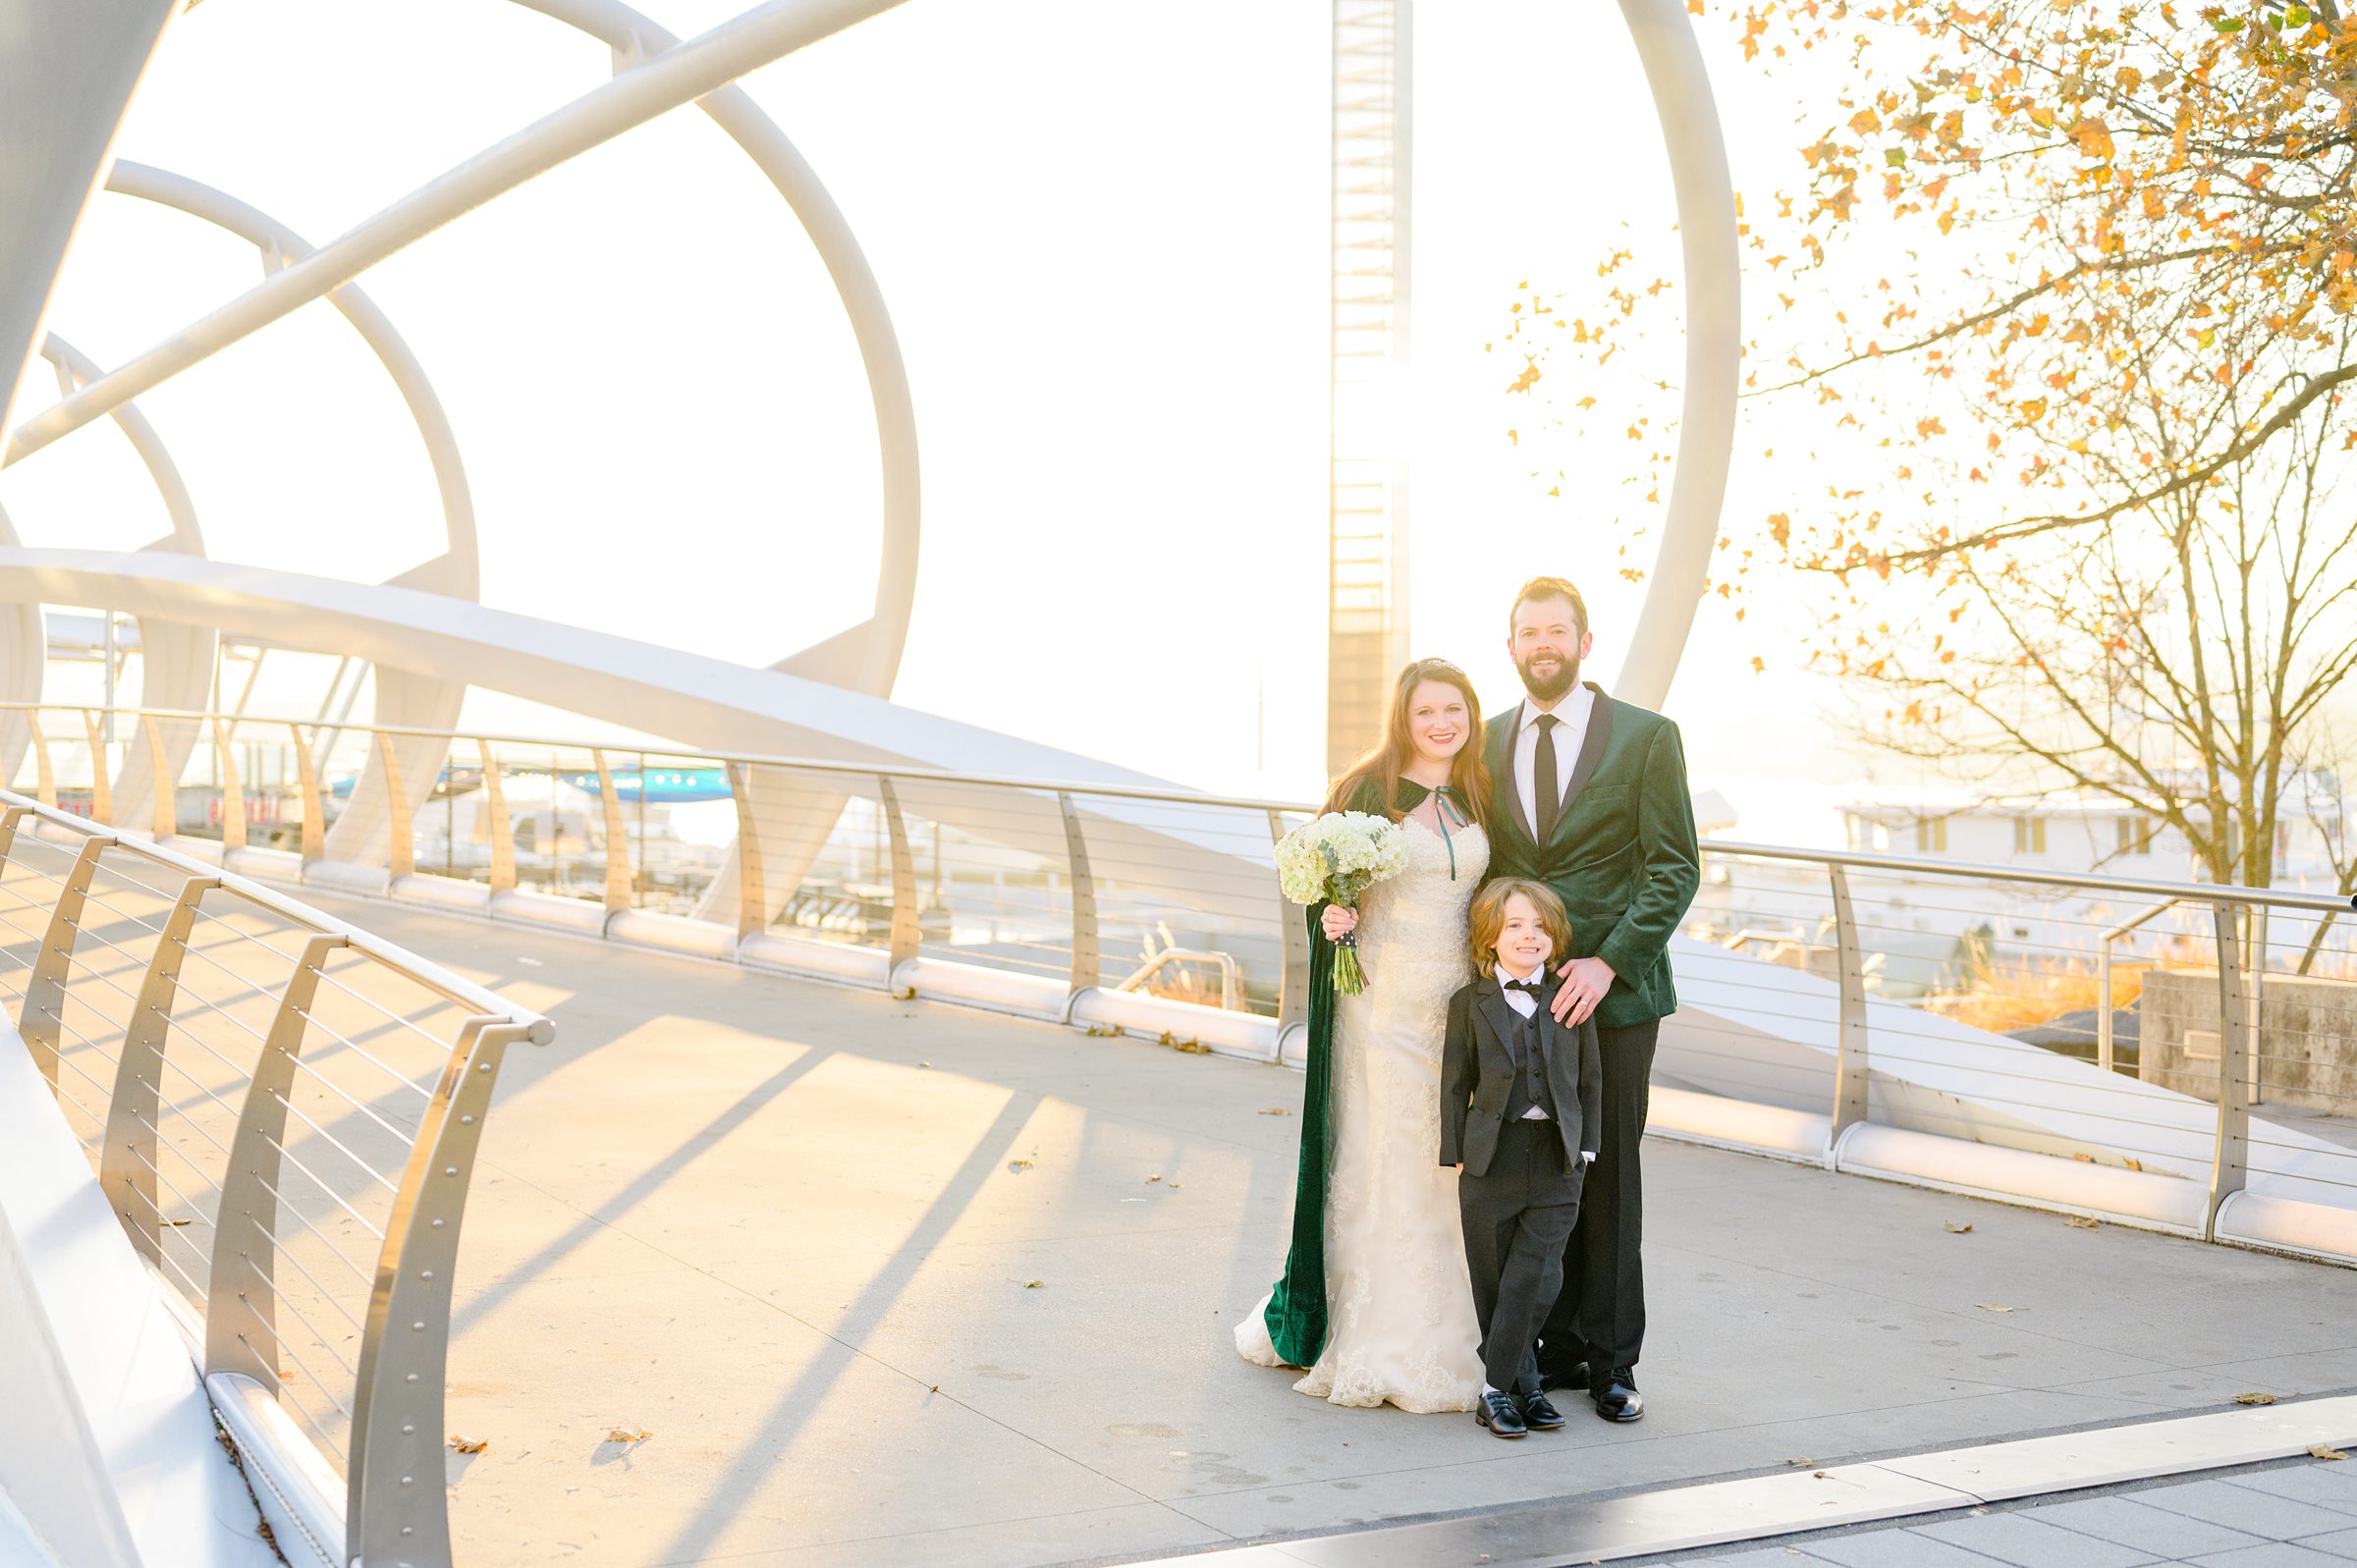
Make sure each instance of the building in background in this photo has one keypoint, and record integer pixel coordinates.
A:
(1367, 379)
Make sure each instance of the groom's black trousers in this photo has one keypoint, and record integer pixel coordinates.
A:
(1518, 1214)
(1600, 1315)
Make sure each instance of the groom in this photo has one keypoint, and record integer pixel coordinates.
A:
(1590, 798)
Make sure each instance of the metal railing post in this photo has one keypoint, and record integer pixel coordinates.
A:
(501, 828)
(401, 828)
(42, 1020)
(2229, 1165)
(619, 881)
(1852, 1053)
(314, 810)
(163, 810)
(102, 783)
(242, 1280)
(2257, 998)
(131, 1151)
(10, 816)
(45, 772)
(397, 1508)
(1293, 995)
(752, 892)
(232, 789)
(908, 933)
(1087, 968)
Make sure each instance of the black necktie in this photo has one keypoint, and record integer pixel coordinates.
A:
(1549, 803)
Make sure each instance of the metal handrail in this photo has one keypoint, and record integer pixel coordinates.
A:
(397, 1393)
(1172, 795)
(2085, 882)
(1856, 859)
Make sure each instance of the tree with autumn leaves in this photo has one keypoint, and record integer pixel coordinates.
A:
(2068, 294)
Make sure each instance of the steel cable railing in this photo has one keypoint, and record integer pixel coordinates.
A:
(2199, 1036)
(294, 1200)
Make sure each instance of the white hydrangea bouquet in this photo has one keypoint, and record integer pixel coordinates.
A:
(1335, 859)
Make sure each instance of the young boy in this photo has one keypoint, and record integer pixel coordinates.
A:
(1519, 1114)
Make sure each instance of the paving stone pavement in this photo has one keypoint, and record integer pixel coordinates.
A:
(2298, 1514)
(890, 1280)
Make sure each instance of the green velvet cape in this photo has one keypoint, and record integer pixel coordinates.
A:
(1297, 1310)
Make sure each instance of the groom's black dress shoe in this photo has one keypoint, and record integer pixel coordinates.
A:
(1562, 1372)
(1497, 1413)
(1539, 1413)
(1617, 1399)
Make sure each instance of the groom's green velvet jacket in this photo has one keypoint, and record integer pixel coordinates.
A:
(1622, 856)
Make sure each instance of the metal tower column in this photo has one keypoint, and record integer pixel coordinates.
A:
(1367, 379)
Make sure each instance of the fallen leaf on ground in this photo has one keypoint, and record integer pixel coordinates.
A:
(627, 1435)
(1956, 1229)
(924, 1065)
(1018, 1166)
(1035, 1284)
(2254, 1398)
(1800, 1464)
(1174, 1185)
(1153, 1179)
(2325, 1452)
(469, 1445)
(1276, 1111)
(1991, 1305)
(2133, 1164)
(1822, 1475)
(2082, 1223)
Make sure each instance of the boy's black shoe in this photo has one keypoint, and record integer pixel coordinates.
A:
(1497, 1413)
(1540, 1415)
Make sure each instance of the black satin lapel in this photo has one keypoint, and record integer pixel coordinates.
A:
(1501, 1019)
(1591, 751)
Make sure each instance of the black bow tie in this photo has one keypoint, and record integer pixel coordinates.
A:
(1531, 986)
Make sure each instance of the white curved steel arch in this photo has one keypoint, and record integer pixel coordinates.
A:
(458, 569)
(403, 697)
(864, 658)
(1663, 34)
(696, 699)
(176, 661)
(678, 76)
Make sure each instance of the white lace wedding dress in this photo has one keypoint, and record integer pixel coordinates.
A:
(1400, 1310)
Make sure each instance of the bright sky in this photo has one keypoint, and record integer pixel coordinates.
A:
(1101, 231)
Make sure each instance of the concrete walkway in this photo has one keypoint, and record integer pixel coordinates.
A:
(888, 1280)
(2297, 1515)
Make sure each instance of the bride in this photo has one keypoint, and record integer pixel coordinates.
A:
(1374, 1300)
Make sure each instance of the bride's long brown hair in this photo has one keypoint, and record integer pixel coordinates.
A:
(1469, 769)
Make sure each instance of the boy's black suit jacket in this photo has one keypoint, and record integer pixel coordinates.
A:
(1478, 1064)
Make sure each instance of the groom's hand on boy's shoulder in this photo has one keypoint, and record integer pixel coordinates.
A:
(1585, 983)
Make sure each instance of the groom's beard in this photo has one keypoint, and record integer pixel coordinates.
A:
(1565, 676)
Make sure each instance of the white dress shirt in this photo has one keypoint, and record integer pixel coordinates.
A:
(1570, 734)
